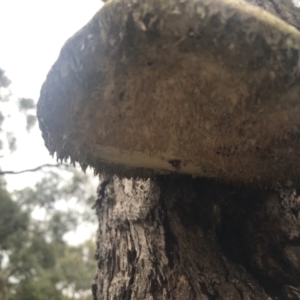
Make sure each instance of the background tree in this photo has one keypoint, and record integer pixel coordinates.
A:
(36, 262)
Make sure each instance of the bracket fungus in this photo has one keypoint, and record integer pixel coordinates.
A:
(202, 87)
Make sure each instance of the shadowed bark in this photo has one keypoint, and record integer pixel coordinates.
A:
(182, 238)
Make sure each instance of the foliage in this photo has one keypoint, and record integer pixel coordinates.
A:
(4, 84)
(36, 262)
(5, 94)
(27, 106)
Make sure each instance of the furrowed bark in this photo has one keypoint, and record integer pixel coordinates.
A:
(184, 238)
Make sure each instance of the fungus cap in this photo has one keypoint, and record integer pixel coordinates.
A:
(203, 87)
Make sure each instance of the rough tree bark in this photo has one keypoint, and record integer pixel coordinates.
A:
(183, 238)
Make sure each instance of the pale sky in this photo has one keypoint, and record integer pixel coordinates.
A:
(32, 33)
(296, 3)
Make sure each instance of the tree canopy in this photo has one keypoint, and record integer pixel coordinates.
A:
(36, 261)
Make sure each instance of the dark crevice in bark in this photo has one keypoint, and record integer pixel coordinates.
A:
(94, 290)
(254, 229)
(131, 257)
(171, 246)
(206, 293)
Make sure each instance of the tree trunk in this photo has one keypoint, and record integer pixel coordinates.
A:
(175, 237)
(184, 238)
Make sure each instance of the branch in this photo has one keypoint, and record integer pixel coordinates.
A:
(31, 170)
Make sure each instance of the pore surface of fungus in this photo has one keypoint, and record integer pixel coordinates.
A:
(202, 87)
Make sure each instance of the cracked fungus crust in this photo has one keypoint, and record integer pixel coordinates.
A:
(201, 87)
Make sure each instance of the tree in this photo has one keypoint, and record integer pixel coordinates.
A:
(26, 106)
(36, 262)
(171, 236)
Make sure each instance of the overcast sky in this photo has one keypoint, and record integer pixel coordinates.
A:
(32, 33)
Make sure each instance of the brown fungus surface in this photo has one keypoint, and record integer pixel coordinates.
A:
(203, 87)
